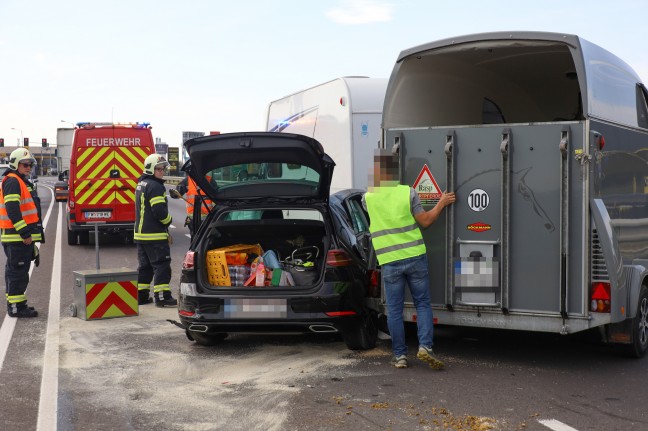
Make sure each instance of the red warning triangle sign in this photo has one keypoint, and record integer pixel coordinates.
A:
(426, 186)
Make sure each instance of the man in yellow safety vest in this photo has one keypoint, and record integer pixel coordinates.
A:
(395, 213)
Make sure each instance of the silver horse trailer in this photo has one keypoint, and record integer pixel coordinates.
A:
(544, 139)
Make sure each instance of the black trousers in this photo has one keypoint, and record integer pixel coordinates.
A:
(154, 266)
(19, 258)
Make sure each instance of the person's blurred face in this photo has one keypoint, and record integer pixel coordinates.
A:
(159, 171)
(25, 168)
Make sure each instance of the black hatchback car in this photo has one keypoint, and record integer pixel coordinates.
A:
(271, 194)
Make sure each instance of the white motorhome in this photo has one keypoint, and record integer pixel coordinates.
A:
(64, 136)
(344, 115)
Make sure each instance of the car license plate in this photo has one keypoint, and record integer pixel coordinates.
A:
(97, 214)
(256, 308)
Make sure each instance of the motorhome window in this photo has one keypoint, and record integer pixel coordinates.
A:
(642, 106)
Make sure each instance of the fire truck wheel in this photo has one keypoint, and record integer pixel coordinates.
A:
(84, 237)
(73, 237)
(639, 328)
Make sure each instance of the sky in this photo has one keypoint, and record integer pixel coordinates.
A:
(215, 65)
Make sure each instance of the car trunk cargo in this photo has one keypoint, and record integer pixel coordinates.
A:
(299, 246)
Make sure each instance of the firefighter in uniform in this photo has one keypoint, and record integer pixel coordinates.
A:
(21, 230)
(189, 190)
(152, 219)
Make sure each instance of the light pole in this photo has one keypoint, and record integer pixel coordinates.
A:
(21, 135)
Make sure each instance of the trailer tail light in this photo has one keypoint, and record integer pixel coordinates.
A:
(337, 257)
(188, 261)
(599, 140)
(600, 297)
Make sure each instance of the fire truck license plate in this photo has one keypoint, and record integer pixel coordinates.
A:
(97, 214)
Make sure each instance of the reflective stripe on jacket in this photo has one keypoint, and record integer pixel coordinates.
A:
(23, 223)
(395, 235)
(151, 211)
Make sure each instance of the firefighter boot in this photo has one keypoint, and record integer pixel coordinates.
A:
(143, 297)
(166, 301)
(21, 310)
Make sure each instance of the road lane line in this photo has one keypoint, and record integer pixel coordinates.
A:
(48, 403)
(556, 425)
(9, 323)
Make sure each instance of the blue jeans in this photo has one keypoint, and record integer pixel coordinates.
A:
(414, 270)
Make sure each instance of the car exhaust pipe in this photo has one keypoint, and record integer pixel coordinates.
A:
(198, 328)
(322, 328)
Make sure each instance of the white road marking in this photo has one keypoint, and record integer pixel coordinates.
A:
(556, 425)
(172, 226)
(9, 323)
(48, 402)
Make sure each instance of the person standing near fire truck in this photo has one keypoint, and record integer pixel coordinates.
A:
(152, 220)
(190, 191)
(21, 230)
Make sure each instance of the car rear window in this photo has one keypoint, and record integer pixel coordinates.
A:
(262, 173)
(272, 214)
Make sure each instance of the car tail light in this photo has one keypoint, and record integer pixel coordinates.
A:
(188, 261)
(340, 313)
(600, 297)
(373, 289)
(337, 257)
(186, 313)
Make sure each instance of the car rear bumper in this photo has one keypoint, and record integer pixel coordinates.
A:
(296, 314)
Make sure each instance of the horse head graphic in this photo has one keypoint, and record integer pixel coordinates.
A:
(523, 189)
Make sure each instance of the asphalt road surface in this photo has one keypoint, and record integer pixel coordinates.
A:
(141, 372)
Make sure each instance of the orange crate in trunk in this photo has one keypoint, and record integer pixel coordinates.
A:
(217, 272)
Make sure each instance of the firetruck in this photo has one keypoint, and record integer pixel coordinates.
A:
(105, 164)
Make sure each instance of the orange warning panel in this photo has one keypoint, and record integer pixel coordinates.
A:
(102, 294)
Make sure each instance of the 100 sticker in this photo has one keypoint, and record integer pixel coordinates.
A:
(478, 200)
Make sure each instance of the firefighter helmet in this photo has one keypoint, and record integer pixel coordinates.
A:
(20, 155)
(152, 161)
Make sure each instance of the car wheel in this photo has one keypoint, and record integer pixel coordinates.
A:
(73, 237)
(639, 344)
(84, 237)
(363, 335)
(205, 339)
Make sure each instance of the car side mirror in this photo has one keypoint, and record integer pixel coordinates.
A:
(175, 194)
